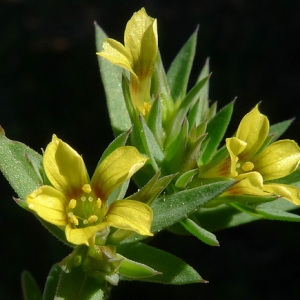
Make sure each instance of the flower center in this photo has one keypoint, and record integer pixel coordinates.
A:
(86, 210)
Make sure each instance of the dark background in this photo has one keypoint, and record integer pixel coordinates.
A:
(49, 83)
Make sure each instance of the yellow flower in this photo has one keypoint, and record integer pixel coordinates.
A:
(138, 56)
(79, 205)
(256, 165)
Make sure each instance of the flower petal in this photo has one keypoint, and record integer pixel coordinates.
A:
(86, 235)
(140, 39)
(117, 54)
(277, 160)
(64, 167)
(49, 204)
(115, 169)
(289, 192)
(130, 215)
(253, 129)
(234, 146)
(249, 184)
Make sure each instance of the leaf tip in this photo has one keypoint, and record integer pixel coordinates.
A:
(2, 131)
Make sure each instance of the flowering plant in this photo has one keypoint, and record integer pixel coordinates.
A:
(170, 142)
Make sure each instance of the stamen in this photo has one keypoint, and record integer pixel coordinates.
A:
(85, 221)
(87, 188)
(72, 203)
(73, 219)
(92, 219)
(99, 203)
(248, 166)
(83, 198)
(91, 199)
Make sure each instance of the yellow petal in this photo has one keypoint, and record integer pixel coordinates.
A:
(83, 236)
(235, 146)
(130, 215)
(289, 192)
(117, 54)
(115, 169)
(140, 39)
(49, 204)
(277, 160)
(253, 129)
(64, 167)
(249, 184)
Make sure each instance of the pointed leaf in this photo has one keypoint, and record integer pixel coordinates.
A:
(173, 270)
(19, 165)
(179, 72)
(112, 77)
(30, 288)
(52, 282)
(173, 208)
(276, 130)
(77, 285)
(203, 235)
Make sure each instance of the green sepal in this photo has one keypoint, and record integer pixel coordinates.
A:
(111, 76)
(20, 165)
(135, 270)
(173, 270)
(184, 179)
(160, 88)
(52, 282)
(30, 288)
(150, 191)
(180, 69)
(199, 232)
(216, 129)
(276, 130)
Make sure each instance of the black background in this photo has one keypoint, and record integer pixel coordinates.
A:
(49, 83)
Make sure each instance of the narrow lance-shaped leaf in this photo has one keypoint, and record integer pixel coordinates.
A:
(111, 77)
(179, 72)
(30, 288)
(173, 270)
(216, 129)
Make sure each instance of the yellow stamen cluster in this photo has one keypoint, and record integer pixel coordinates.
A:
(87, 210)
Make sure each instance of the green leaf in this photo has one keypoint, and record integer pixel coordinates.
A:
(77, 285)
(270, 213)
(30, 288)
(20, 164)
(173, 270)
(171, 209)
(185, 178)
(179, 72)
(135, 270)
(112, 81)
(52, 282)
(203, 235)
(226, 216)
(216, 129)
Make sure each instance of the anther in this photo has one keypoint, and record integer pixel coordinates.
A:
(83, 198)
(86, 188)
(92, 219)
(73, 219)
(248, 166)
(91, 199)
(72, 203)
(99, 203)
